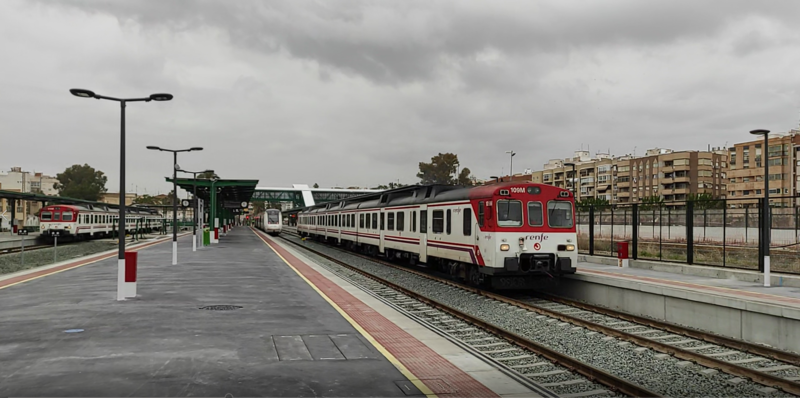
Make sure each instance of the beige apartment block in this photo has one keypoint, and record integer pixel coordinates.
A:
(18, 180)
(746, 175)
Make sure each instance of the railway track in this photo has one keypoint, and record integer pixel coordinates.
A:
(773, 369)
(12, 250)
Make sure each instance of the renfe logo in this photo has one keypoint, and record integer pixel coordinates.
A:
(538, 238)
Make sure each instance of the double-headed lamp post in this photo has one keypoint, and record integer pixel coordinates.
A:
(511, 168)
(765, 222)
(175, 168)
(78, 92)
(573, 178)
(196, 217)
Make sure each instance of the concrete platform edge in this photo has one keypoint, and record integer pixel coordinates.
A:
(482, 372)
(776, 279)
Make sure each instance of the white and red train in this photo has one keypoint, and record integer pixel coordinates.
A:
(89, 221)
(269, 221)
(503, 235)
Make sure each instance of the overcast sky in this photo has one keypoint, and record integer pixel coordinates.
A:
(358, 92)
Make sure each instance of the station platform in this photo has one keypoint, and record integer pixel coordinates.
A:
(245, 317)
(729, 302)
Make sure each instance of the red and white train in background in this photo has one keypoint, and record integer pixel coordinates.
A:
(269, 221)
(502, 235)
(89, 221)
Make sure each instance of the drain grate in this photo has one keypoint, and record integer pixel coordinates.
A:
(221, 307)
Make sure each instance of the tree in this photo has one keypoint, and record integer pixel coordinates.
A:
(207, 175)
(81, 182)
(705, 201)
(597, 203)
(147, 200)
(651, 202)
(316, 185)
(441, 170)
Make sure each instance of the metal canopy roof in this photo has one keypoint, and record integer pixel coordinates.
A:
(233, 191)
(38, 197)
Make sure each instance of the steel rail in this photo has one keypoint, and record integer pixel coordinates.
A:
(710, 362)
(586, 370)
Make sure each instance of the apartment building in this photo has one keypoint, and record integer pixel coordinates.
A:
(670, 175)
(746, 175)
(673, 176)
(18, 180)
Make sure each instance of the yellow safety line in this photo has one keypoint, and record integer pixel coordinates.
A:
(399, 365)
(106, 257)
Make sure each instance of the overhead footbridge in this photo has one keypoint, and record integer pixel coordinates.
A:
(300, 195)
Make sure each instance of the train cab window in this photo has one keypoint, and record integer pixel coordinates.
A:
(535, 215)
(414, 221)
(401, 221)
(57, 216)
(390, 222)
(559, 214)
(448, 221)
(383, 218)
(509, 213)
(438, 221)
(480, 213)
(467, 222)
(423, 221)
(47, 216)
(374, 220)
(66, 217)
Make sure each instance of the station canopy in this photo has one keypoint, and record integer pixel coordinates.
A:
(38, 197)
(230, 193)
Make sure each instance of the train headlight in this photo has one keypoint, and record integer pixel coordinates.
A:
(504, 247)
(570, 248)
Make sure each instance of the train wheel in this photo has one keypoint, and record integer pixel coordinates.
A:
(474, 276)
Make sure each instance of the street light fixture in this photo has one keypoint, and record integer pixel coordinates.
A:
(511, 169)
(175, 168)
(574, 177)
(765, 222)
(79, 92)
(196, 217)
(496, 179)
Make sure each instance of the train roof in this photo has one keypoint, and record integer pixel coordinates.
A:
(420, 194)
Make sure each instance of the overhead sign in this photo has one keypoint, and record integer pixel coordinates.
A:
(236, 211)
(232, 204)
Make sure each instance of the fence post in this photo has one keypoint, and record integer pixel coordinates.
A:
(591, 230)
(689, 233)
(635, 231)
(761, 235)
(724, 235)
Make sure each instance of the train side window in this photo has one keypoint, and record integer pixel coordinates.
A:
(383, 219)
(480, 213)
(374, 220)
(401, 220)
(467, 222)
(390, 222)
(361, 220)
(423, 221)
(414, 221)
(369, 221)
(449, 221)
(438, 221)
(353, 220)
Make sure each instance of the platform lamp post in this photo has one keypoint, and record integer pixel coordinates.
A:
(175, 168)
(511, 168)
(765, 222)
(122, 293)
(573, 177)
(195, 208)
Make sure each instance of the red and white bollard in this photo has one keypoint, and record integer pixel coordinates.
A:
(129, 283)
(622, 254)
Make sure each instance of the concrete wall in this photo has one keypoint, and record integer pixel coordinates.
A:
(777, 326)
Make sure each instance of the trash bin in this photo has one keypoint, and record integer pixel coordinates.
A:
(622, 254)
(206, 237)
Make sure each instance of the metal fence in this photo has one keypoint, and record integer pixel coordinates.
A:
(722, 233)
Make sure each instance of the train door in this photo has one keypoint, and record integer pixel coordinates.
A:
(483, 235)
(422, 227)
(382, 227)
